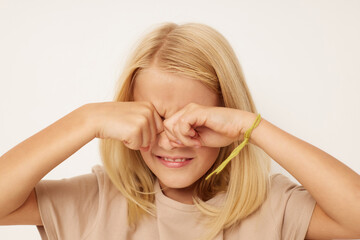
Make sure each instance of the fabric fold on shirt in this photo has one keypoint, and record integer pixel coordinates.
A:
(90, 207)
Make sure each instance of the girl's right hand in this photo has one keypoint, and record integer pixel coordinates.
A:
(136, 124)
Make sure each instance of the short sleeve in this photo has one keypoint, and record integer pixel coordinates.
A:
(67, 207)
(293, 205)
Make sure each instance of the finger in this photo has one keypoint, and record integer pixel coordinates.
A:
(159, 125)
(170, 122)
(145, 149)
(148, 124)
(193, 121)
(168, 129)
(197, 144)
(174, 144)
(186, 129)
(144, 132)
(148, 139)
(152, 128)
(132, 137)
(152, 121)
(135, 141)
(171, 137)
(185, 140)
(147, 135)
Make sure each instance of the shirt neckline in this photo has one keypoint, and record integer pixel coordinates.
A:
(162, 198)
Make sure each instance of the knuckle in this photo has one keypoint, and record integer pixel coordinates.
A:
(148, 106)
(167, 125)
(129, 143)
(183, 131)
(192, 105)
(148, 111)
(169, 136)
(182, 120)
(142, 121)
(147, 103)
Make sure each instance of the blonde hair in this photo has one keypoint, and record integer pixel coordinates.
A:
(197, 51)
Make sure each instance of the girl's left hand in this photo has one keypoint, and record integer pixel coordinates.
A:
(196, 125)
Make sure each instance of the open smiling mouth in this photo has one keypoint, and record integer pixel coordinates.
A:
(174, 162)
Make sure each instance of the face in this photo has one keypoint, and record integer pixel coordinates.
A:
(169, 93)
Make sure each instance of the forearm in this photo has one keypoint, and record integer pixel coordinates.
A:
(22, 167)
(334, 186)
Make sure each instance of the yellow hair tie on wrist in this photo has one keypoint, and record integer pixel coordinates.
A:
(237, 149)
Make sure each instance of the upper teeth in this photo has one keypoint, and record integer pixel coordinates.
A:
(175, 160)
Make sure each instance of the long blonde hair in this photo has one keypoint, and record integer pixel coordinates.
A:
(200, 52)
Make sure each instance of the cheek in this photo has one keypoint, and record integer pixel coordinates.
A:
(208, 155)
(146, 157)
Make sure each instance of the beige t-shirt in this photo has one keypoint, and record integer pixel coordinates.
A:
(90, 207)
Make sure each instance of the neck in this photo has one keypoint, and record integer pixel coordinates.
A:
(183, 195)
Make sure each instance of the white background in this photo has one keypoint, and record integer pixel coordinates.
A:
(300, 58)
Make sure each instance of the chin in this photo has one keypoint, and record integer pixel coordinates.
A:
(175, 182)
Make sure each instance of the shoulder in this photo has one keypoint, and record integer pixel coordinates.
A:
(292, 205)
(83, 188)
(285, 213)
(279, 180)
(105, 185)
(74, 207)
(99, 173)
(281, 185)
(285, 193)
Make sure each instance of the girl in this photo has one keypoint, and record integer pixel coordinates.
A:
(182, 107)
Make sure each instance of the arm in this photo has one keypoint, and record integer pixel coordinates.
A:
(22, 167)
(334, 186)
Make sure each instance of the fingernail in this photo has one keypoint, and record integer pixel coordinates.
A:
(178, 142)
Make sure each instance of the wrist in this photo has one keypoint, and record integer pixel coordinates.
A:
(87, 114)
(248, 120)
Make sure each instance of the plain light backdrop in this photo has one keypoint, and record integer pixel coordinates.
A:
(301, 60)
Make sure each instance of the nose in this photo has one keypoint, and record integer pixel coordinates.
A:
(164, 141)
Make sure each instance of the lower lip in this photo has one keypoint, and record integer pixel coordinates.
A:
(174, 164)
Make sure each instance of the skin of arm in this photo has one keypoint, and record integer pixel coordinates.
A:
(23, 166)
(334, 186)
